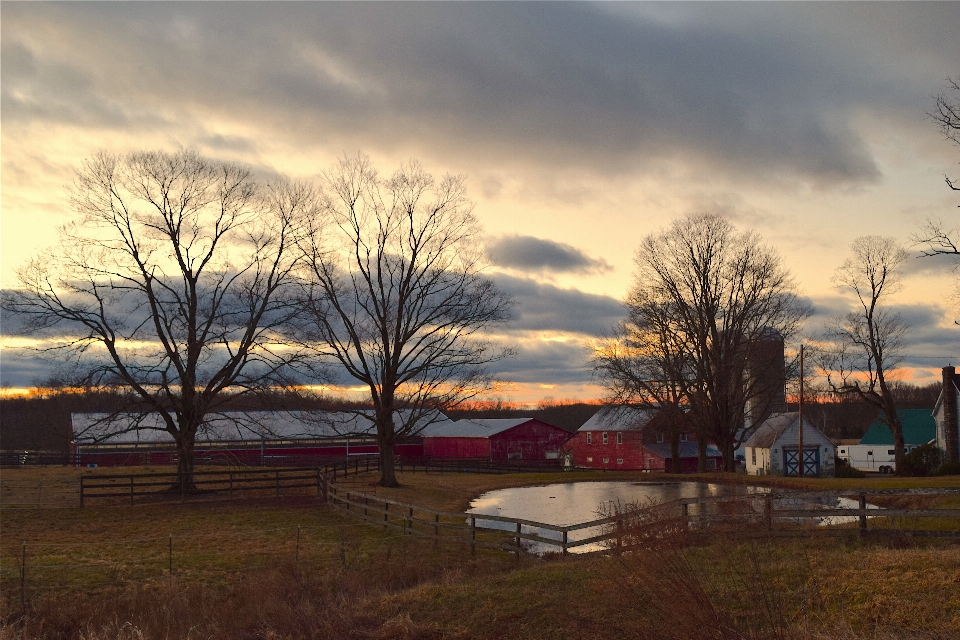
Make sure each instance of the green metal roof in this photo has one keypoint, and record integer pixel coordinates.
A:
(919, 427)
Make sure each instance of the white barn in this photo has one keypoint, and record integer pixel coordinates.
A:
(774, 448)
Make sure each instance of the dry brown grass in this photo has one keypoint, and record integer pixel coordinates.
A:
(235, 577)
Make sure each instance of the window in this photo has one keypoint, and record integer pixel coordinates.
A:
(753, 455)
(659, 438)
(551, 455)
(869, 453)
(589, 438)
(683, 437)
(711, 463)
(619, 437)
(891, 452)
(619, 460)
(589, 459)
(606, 461)
(604, 437)
(844, 451)
(515, 455)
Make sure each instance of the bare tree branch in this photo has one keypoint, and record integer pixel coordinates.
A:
(396, 294)
(173, 282)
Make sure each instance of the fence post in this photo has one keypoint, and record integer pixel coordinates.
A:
(863, 514)
(564, 545)
(231, 485)
(131, 491)
(81, 491)
(386, 514)
(436, 527)
(170, 557)
(23, 577)
(619, 533)
(516, 539)
(276, 475)
(473, 535)
(325, 488)
(768, 512)
(685, 513)
(411, 520)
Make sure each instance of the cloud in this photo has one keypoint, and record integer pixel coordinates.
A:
(742, 90)
(556, 362)
(527, 253)
(547, 308)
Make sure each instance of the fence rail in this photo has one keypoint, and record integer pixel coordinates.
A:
(758, 514)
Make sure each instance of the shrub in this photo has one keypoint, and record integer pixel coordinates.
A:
(843, 469)
(948, 469)
(922, 461)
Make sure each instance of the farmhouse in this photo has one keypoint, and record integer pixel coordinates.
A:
(233, 437)
(875, 450)
(632, 438)
(774, 448)
(947, 416)
(494, 439)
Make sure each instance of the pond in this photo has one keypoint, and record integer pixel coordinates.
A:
(576, 502)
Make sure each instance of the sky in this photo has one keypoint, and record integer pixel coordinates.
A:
(580, 127)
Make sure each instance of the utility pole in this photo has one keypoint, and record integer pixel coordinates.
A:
(800, 460)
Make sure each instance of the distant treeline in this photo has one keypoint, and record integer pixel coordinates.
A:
(41, 422)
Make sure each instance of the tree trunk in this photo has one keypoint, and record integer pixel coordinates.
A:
(388, 475)
(701, 453)
(675, 451)
(184, 482)
(729, 460)
(899, 448)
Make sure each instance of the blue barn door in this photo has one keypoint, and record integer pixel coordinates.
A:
(811, 461)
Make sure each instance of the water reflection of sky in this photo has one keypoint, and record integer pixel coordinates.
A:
(576, 502)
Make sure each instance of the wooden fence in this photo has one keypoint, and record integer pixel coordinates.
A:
(775, 514)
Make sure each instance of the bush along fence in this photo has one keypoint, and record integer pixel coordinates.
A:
(627, 526)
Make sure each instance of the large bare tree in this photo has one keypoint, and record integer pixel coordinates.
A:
(646, 363)
(394, 292)
(937, 238)
(172, 283)
(707, 302)
(864, 346)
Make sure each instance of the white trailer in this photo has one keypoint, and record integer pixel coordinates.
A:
(879, 458)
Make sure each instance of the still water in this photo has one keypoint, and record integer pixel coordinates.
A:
(576, 502)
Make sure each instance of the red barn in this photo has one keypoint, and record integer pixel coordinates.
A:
(617, 438)
(494, 439)
(233, 437)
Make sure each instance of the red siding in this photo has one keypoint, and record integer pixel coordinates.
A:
(113, 457)
(447, 447)
(631, 451)
(532, 440)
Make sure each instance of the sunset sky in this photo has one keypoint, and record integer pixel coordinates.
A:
(581, 128)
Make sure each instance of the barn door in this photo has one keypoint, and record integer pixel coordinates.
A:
(811, 461)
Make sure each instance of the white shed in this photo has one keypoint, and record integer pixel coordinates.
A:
(774, 448)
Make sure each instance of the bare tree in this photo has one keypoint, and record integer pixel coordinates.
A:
(397, 297)
(862, 347)
(645, 363)
(946, 114)
(707, 302)
(171, 283)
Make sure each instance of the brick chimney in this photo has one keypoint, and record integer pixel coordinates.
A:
(950, 429)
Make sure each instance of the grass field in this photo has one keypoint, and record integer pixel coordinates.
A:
(239, 572)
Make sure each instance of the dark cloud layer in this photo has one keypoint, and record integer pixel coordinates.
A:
(544, 307)
(762, 90)
(536, 254)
